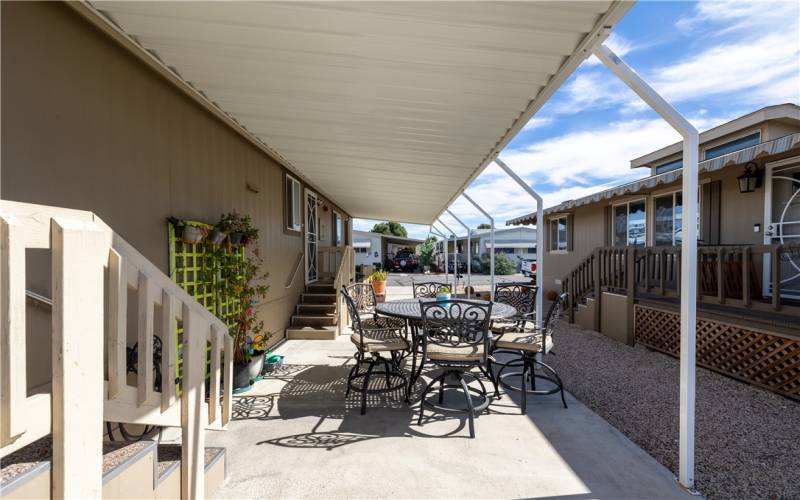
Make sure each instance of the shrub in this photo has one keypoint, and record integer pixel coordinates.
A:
(503, 265)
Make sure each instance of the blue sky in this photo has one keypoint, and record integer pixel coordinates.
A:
(713, 61)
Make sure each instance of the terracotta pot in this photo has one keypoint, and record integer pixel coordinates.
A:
(379, 287)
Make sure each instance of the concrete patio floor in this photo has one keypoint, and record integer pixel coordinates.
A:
(294, 435)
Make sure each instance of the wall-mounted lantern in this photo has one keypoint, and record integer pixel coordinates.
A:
(750, 180)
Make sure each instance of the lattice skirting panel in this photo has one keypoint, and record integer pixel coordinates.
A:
(768, 360)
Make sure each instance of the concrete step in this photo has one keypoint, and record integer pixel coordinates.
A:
(320, 288)
(318, 298)
(315, 320)
(315, 309)
(312, 333)
(140, 469)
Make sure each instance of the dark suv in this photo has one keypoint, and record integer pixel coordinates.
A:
(405, 260)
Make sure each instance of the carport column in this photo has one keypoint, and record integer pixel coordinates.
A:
(688, 290)
(469, 248)
(491, 240)
(455, 257)
(444, 246)
(539, 236)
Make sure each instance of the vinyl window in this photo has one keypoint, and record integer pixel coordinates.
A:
(630, 224)
(559, 235)
(293, 204)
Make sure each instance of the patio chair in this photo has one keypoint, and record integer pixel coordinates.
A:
(364, 298)
(527, 343)
(456, 340)
(374, 336)
(428, 289)
(522, 296)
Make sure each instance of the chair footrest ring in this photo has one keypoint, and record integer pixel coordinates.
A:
(517, 388)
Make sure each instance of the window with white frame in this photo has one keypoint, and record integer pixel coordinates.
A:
(630, 224)
(338, 228)
(668, 219)
(292, 203)
(559, 234)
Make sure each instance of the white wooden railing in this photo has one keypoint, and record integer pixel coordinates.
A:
(93, 272)
(345, 275)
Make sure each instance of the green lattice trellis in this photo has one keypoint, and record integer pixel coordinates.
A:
(198, 269)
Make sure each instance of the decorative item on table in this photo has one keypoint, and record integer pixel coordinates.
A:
(469, 292)
(443, 294)
(378, 280)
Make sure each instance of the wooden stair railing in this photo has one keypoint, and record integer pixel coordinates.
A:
(727, 275)
(93, 270)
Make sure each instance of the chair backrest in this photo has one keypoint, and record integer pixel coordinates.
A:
(452, 323)
(428, 289)
(554, 313)
(352, 310)
(363, 296)
(521, 296)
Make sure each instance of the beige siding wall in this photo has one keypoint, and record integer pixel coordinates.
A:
(86, 125)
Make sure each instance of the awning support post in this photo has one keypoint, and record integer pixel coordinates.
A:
(539, 236)
(469, 247)
(491, 241)
(691, 143)
(455, 257)
(444, 246)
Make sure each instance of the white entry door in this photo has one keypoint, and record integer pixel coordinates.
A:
(782, 223)
(312, 237)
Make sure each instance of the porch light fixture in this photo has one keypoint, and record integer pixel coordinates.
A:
(750, 180)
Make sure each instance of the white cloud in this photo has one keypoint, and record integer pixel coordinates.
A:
(537, 122)
(734, 16)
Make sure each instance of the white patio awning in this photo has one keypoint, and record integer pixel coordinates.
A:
(388, 108)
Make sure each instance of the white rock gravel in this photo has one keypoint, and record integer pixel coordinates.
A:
(747, 439)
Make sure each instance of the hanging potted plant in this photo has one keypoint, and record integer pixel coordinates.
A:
(188, 233)
(378, 280)
(247, 284)
(219, 233)
(250, 231)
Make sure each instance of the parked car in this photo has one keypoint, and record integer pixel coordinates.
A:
(405, 260)
(528, 267)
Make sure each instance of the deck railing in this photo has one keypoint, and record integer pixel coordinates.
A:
(729, 275)
(93, 272)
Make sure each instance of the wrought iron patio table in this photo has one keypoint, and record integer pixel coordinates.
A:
(410, 310)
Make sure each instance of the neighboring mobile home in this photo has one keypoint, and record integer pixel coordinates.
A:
(516, 243)
(749, 203)
(375, 249)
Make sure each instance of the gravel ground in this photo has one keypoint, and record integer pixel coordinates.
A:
(747, 439)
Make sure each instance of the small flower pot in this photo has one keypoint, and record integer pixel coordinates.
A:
(241, 376)
(273, 363)
(216, 237)
(236, 238)
(193, 234)
(255, 366)
(441, 297)
(379, 287)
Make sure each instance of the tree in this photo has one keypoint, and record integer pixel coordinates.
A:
(502, 264)
(391, 228)
(484, 226)
(426, 251)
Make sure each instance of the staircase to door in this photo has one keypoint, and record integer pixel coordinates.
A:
(93, 274)
(320, 314)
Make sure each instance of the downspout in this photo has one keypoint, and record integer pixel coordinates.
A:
(469, 247)
(491, 241)
(455, 257)
(539, 236)
(691, 143)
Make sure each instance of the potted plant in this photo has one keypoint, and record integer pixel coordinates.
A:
(272, 362)
(250, 232)
(188, 233)
(378, 280)
(218, 234)
(247, 283)
(231, 224)
(442, 294)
